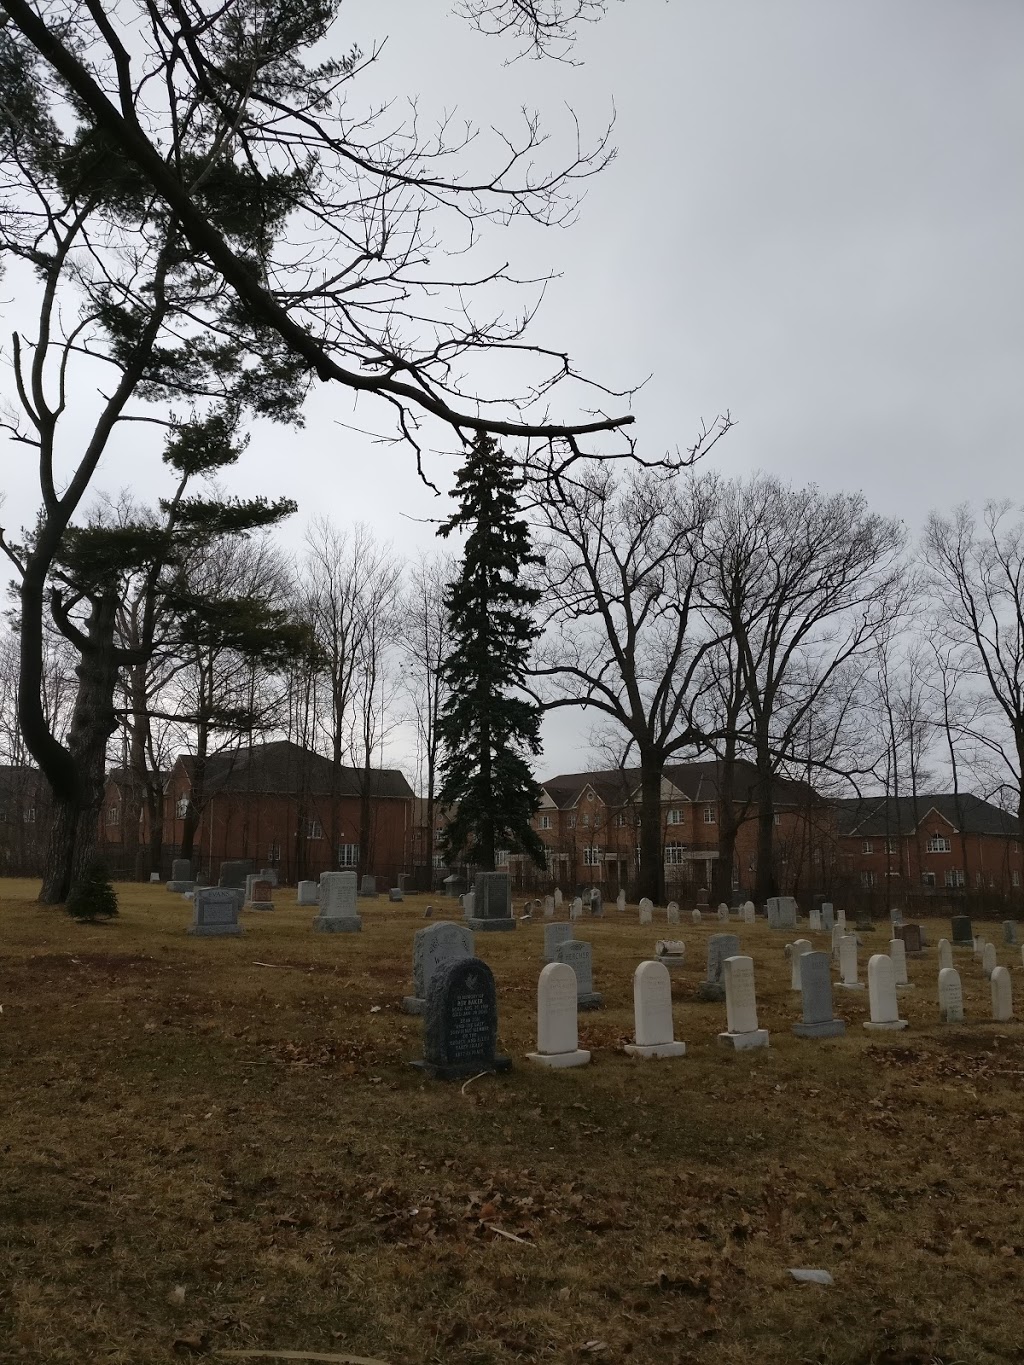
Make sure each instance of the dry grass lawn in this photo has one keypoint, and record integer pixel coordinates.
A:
(203, 1154)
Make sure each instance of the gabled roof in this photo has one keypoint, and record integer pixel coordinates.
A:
(886, 817)
(697, 781)
(285, 768)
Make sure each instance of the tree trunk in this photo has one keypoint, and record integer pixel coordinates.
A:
(728, 826)
(652, 871)
(765, 885)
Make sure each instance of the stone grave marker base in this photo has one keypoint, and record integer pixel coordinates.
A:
(757, 1037)
(484, 926)
(412, 1004)
(850, 985)
(337, 924)
(560, 1059)
(459, 1071)
(656, 1050)
(591, 1000)
(828, 1028)
(186, 888)
(216, 930)
(886, 1026)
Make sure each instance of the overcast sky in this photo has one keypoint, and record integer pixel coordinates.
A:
(814, 220)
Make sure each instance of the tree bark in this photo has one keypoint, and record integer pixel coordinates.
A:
(765, 885)
(728, 825)
(652, 871)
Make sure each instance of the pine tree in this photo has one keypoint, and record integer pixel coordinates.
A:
(92, 897)
(486, 730)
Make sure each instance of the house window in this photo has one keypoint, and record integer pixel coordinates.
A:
(181, 807)
(927, 878)
(586, 821)
(675, 817)
(591, 856)
(890, 845)
(501, 857)
(590, 796)
(30, 815)
(977, 879)
(274, 853)
(710, 815)
(867, 846)
(673, 854)
(113, 815)
(348, 855)
(545, 822)
(954, 877)
(938, 843)
(777, 818)
(439, 860)
(314, 829)
(867, 880)
(572, 822)
(620, 820)
(1016, 878)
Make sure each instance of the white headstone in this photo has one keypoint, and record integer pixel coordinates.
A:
(646, 910)
(337, 897)
(898, 954)
(988, 959)
(814, 920)
(741, 1005)
(620, 902)
(558, 898)
(801, 946)
(749, 912)
(841, 918)
(882, 994)
(951, 996)
(945, 953)
(557, 1035)
(576, 909)
(848, 962)
(672, 912)
(695, 916)
(723, 912)
(1002, 994)
(979, 946)
(652, 1009)
(549, 907)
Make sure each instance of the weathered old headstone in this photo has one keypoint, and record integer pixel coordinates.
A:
(848, 963)
(652, 1014)
(216, 911)
(549, 907)
(895, 917)
(828, 917)
(368, 887)
(816, 999)
(306, 893)
(1010, 932)
(988, 959)
(841, 918)
(558, 1043)
(781, 912)
(181, 875)
(670, 951)
(646, 910)
(702, 898)
(395, 893)
(233, 872)
(1002, 995)
(269, 874)
(749, 912)
(723, 913)
(492, 903)
(576, 908)
(596, 904)
(466, 900)
(554, 934)
(742, 1031)
(578, 956)
(963, 934)
(801, 947)
(945, 954)
(672, 912)
(912, 938)
(558, 898)
(433, 949)
(951, 996)
(882, 994)
(695, 916)
(720, 947)
(898, 955)
(337, 899)
(460, 1022)
(814, 919)
(620, 902)
(261, 894)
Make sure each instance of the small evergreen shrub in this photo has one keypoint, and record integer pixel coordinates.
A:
(92, 897)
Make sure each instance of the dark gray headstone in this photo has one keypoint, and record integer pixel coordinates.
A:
(396, 893)
(963, 933)
(460, 1023)
(269, 874)
(433, 949)
(828, 917)
(234, 871)
(579, 957)
(492, 903)
(1010, 931)
(368, 886)
(560, 931)
(596, 904)
(913, 939)
(720, 946)
(216, 911)
(816, 998)
(181, 870)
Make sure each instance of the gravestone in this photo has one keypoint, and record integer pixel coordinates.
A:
(620, 902)
(895, 917)
(1010, 932)
(672, 912)
(429, 912)
(492, 903)
(261, 895)
(1002, 995)
(395, 893)
(841, 918)
(433, 949)
(723, 913)
(828, 917)
(988, 959)
(234, 871)
(576, 909)
(452, 886)
(269, 874)
(596, 904)
(801, 947)
(720, 947)
(154, 876)
(749, 912)
(848, 963)
(336, 896)
(652, 1014)
(216, 912)
(945, 954)
(460, 1022)
(306, 893)
(467, 901)
(898, 957)
(979, 946)
(558, 1041)
(963, 934)
(578, 956)
(670, 951)
(702, 898)
(912, 937)
(181, 875)
(742, 1031)
(646, 910)
(814, 920)
(368, 887)
(951, 996)
(557, 898)
(816, 999)
(549, 907)
(882, 994)
(554, 934)
(781, 912)
(695, 916)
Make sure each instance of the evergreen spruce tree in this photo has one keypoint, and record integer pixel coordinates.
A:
(92, 897)
(486, 730)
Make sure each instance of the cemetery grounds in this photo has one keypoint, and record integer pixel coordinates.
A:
(215, 1148)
